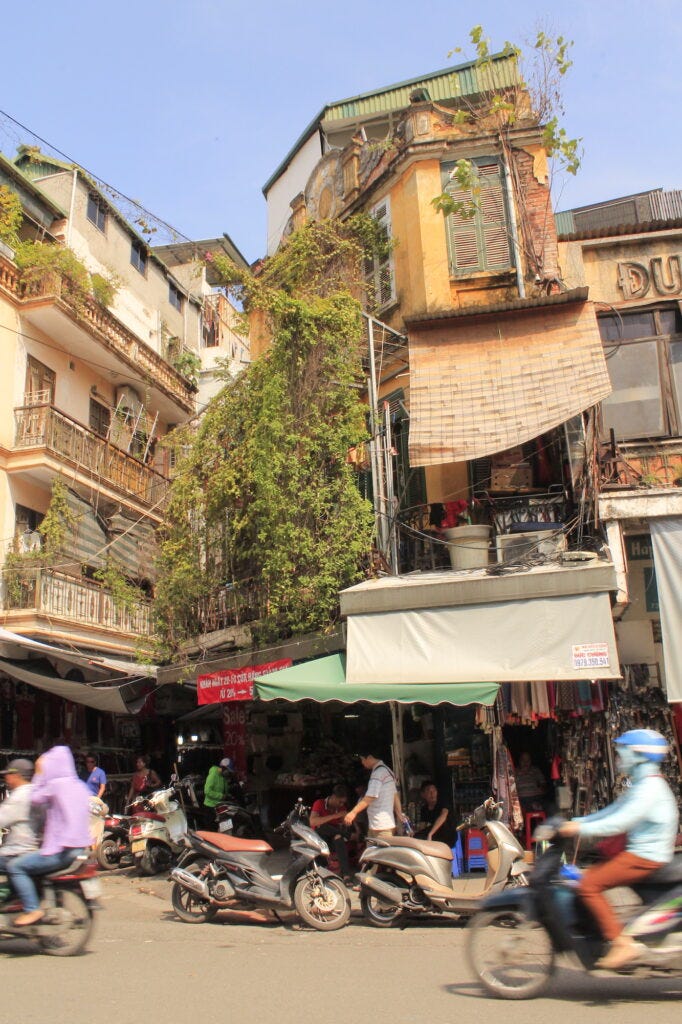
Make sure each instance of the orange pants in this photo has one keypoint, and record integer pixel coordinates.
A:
(623, 869)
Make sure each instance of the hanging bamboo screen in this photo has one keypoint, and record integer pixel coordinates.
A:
(482, 386)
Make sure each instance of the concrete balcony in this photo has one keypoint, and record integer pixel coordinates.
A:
(43, 432)
(47, 603)
(49, 305)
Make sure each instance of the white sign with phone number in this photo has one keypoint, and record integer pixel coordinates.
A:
(590, 655)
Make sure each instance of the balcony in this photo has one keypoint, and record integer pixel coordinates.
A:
(50, 306)
(42, 426)
(62, 599)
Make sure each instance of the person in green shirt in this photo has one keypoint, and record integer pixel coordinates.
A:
(215, 787)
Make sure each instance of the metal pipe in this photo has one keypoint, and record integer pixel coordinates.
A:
(72, 205)
(513, 227)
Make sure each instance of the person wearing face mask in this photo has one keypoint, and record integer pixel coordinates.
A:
(646, 813)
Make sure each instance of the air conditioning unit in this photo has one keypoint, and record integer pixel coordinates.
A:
(511, 547)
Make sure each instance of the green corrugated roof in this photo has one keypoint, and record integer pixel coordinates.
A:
(447, 84)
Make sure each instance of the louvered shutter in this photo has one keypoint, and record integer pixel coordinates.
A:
(493, 220)
(480, 242)
(462, 233)
(380, 272)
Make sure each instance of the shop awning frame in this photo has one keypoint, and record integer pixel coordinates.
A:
(324, 680)
(121, 699)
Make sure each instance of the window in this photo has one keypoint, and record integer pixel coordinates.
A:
(100, 418)
(40, 383)
(138, 256)
(480, 242)
(97, 211)
(26, 533)
(175, 296)
(644, 358)
(379, 271)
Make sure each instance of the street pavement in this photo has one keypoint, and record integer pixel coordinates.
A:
(143, 965)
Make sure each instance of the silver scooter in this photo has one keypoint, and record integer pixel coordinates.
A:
(404, 876)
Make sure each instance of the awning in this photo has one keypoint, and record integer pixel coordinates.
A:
(324, 679)
(103, 698)
(483, 384)
(666, 534)
(11, 642)
(558, 638)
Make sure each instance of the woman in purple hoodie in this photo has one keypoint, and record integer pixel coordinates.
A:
(66, 801)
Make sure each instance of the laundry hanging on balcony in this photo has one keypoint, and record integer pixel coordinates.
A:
(486, 381)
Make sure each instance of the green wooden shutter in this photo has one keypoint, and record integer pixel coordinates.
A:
(462, 233)
(480, 242)
(493, 219)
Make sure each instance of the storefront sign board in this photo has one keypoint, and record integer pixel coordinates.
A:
(590, 655)
(234, 683)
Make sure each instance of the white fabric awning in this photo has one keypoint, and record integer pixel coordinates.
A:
(103, 698)
(14, 642)
(544, 638)
(666, 534)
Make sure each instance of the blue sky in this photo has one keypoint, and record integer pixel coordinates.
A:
(189, 107)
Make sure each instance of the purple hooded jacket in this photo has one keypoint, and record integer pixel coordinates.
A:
(66, 800)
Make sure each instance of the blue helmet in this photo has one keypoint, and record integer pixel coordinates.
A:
(648, 743)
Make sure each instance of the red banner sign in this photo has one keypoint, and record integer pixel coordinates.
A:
(234, 683)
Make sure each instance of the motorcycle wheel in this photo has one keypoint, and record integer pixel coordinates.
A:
(512, 956)
(378, 912)
(188, 906)
(156, 858)
(108, 854)
(322, 903)
(68, 925)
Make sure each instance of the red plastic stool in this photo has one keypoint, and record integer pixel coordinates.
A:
(532, 818)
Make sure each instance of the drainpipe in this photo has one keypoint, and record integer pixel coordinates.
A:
(514, 231)
(72, 205)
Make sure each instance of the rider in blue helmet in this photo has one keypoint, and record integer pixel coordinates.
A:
(646, 813)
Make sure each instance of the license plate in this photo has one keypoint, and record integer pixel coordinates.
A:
(138, 845)
(92, 888)
(225, 826)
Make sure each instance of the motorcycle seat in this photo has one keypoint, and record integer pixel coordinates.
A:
(426, 846)
(72, 868)
(232, 844)
(669, 875)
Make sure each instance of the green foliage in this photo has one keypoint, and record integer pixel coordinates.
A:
(58, 523)
(39, 261)
(466, 175)
(104, 289)
(188, 364)
(10, 215)
(265, 504)
(125, 596)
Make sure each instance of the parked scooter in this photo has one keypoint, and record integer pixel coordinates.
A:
(114, 849)
(67, 898)
(157, 832)
(513, 941)
(220, 871)
(414, 876)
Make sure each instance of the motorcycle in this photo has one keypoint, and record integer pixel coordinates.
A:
(156, 832)
(219, 871)
(114, 847)
(513, 941)
(67, 898)
(414, 876)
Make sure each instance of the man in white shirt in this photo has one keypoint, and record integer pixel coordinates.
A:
(16, 814)
(381, 801)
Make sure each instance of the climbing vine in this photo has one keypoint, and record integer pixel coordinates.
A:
(10, 215)
(264, 514)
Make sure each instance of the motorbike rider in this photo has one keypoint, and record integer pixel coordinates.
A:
(16, 814)
(66, 800)
(647, 814)
(216, 787)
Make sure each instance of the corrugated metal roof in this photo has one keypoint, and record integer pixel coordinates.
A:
(446, 84)
(536, 302)
(621, 229)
